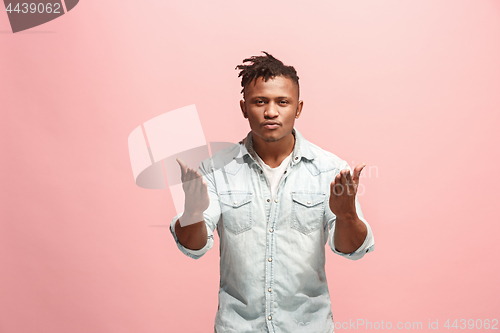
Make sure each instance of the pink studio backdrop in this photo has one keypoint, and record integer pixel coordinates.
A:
(409, 87)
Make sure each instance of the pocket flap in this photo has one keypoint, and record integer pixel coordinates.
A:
(308, 199)
(235, 199)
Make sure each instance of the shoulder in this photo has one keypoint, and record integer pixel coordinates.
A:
(222, 158)
(324, 160)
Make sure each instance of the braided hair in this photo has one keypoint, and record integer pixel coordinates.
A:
(266, 67)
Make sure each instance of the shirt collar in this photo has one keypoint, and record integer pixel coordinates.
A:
(301, 148)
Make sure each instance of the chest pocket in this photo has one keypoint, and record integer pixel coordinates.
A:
(236, 209)
(307, 211)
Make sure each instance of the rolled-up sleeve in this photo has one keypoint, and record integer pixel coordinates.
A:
(211, 215)
(195, 254)
(369, 242)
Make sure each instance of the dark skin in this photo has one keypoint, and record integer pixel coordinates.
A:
(194, 235)
(275, 101)
(350, 231)
(271, 108)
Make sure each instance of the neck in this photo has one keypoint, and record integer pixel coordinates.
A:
(273, 153)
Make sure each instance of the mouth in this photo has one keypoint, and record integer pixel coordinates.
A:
(271, 125)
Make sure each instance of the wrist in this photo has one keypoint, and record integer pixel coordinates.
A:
(188, 218)
(350, 217)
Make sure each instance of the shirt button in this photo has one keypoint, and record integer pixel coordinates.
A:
(297, 158)
(269, 289)
(268, 200)
(285, 171)
(269, 317)
(275, 200)
(271, 230)
(237, 202)
(309, 202)
(270, 259)
(367, 250)
(260, 171)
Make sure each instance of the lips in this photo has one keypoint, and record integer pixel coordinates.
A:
(271, 125)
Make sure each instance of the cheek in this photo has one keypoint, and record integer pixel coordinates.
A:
(291, 116)
(254, 115)
(252, 118)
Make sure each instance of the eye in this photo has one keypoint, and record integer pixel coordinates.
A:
(259, 102)
(283, 102)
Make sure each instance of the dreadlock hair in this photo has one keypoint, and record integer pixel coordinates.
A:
(266, 67)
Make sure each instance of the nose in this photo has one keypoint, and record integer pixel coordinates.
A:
(271, 110)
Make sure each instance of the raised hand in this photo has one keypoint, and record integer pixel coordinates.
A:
(343, 192)
(196, 194)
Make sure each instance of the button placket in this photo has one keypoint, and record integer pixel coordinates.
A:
(270, 244)
(270, 217)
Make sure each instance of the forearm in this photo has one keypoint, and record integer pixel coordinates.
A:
(349, 234)
(192, 236)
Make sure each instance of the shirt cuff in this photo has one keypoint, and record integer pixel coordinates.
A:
(367, 246)
(195, 254)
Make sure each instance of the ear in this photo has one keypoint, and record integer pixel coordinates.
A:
(299, 109)
(243, 108)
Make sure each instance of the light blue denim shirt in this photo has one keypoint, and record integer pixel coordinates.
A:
(272, 252)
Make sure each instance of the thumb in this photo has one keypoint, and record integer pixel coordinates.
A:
(183, 166)
(357, 172)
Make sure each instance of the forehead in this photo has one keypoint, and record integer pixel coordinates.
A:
(279, 86)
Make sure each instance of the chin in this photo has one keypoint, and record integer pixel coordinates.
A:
(272, 138)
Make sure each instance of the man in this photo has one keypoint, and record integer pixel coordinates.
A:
(275, 199)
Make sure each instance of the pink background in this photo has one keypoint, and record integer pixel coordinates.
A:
(409, 87)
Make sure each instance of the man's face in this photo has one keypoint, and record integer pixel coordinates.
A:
(271, 107)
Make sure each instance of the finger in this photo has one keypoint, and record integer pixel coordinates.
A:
(348, 176)
(350, 183)
(337, 187)
(201, 188)
(357, 172)
(204, 188)
(199, 181)
(183, 166)
(333, 187)
(338, 179)
(188, 181)
(190, 174)
(343, 177)
(196, 185)
(194, 181)
(194, 175)
(344, 182)
(343, 187)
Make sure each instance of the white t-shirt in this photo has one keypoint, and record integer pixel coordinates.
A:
(274, 174)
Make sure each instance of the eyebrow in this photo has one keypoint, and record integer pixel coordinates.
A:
(279, 97)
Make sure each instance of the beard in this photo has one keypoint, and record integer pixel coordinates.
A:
(274, 139)
(271, 139)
